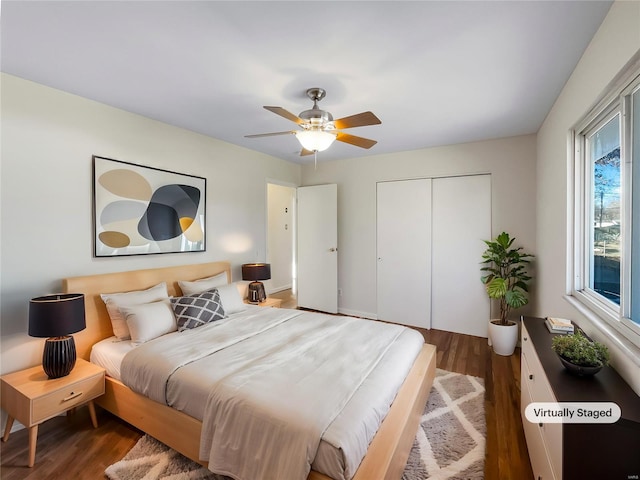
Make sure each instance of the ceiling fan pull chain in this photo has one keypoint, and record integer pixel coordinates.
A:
(315, 159)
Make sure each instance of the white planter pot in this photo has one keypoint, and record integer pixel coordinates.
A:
(503, 337)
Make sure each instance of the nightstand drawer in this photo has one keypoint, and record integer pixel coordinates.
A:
(61, 400)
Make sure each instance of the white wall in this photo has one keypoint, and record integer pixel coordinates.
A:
(615, 43)
(48, 138)
(510, 161)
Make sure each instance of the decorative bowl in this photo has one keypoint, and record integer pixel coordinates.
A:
(579, 369)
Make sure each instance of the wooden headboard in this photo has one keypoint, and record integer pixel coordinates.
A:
(98, 322)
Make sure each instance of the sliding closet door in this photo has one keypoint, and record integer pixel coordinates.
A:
(404, 251)
(461, 215)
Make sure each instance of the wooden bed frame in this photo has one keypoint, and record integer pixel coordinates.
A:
(387, 453)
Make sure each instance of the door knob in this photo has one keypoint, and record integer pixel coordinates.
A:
(333, 249)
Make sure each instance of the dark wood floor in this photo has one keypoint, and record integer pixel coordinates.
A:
(69, 447)
(506, 451)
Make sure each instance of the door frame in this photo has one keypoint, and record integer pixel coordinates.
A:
(294, 226)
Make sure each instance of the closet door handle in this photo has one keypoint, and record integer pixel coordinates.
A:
(531, 376)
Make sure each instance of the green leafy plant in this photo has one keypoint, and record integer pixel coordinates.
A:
(506, 278)
(579, 350)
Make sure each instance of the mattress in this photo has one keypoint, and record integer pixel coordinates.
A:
(108, 354)
(345, 440)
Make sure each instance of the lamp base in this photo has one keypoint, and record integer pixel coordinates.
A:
(256, 293)
(59, 356)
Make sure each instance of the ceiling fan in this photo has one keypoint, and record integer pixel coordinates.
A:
(319, 129)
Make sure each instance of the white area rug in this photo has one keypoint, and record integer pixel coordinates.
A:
(450, 443)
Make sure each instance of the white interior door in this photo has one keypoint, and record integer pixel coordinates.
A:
(318, 247)
(404, 252)
(461, 213)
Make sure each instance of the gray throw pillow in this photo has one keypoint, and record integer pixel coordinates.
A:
(193, 311)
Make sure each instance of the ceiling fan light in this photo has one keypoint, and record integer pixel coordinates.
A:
(315, 140)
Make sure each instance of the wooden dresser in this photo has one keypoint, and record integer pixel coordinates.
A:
(576, 450)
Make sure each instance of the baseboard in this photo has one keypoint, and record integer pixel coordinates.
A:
(279, 289)
(356, 313)
(15, 427)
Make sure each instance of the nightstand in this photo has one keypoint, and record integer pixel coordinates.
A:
(269, 302)
(31, 398)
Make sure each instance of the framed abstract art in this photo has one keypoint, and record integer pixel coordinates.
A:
(142, 210)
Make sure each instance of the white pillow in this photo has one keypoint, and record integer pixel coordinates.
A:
(230, 298)
(199, 286)
(114, 302)
(149, 321)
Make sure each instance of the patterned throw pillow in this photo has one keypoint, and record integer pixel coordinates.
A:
(196, 310)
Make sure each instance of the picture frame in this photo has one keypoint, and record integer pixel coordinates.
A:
(140, 210)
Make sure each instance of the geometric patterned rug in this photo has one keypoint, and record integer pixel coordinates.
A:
(151, 460)
(450, 442)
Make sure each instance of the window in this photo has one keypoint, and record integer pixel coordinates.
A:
(606, 240)
(603, 154)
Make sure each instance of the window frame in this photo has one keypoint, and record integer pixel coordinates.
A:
(616, 101)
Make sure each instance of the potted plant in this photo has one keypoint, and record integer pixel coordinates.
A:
(506, 281)
(579, 354)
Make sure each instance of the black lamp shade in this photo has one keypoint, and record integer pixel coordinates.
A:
(56, 317)
(256, 271)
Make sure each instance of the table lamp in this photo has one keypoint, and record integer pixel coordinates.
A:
(256, 272)
(57, 317)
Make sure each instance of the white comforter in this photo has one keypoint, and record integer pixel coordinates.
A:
(279, 378)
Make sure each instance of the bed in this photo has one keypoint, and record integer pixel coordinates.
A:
(387, 453)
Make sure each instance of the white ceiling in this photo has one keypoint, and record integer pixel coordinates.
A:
(435, 73)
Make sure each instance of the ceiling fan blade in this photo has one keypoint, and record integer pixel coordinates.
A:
(357, 141)
(285, 113)
(358, 120)
(258, 135)
(304, 152)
